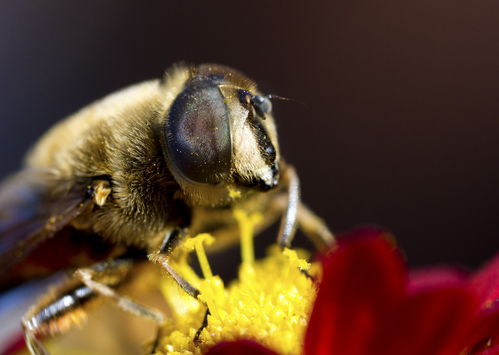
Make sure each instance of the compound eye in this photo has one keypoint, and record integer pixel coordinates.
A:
(198, 134)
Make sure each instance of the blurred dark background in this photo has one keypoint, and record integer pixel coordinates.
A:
(401, 121)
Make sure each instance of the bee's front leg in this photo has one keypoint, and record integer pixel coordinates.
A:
(294, 213)
(289, 218)
(63, 306)
(315, 228)
(160, 255)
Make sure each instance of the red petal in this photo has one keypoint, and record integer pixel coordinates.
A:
(485, 283)
(363, 280)
(490, 351)
(484, 330)
(436, 277)
(433, 322)
(242, 347)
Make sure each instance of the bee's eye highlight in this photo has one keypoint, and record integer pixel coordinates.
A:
(262, 105)
(197, 131)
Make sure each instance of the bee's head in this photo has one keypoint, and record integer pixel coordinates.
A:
(220, 134)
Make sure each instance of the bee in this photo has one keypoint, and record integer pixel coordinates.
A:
(127, 176)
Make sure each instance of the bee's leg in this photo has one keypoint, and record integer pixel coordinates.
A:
(315, 228)
(34, 345)
(310, 224)
(95, 279)
(62, 307)
(162, 259)
(170, 241)
(183, 283)
(160, 255)
(155, 343)
(157, 338)
(203, 325)
(295, 212)
(289, 218)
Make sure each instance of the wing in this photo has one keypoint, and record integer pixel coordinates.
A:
(35, 205)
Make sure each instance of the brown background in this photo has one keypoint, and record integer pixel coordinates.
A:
(401, 119)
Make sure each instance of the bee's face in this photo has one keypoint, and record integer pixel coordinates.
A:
(220, 133)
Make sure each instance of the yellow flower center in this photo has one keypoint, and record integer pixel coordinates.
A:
(270, 302)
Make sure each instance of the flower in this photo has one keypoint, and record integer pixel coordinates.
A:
(368, 303)
(358, 300)
(270, 302)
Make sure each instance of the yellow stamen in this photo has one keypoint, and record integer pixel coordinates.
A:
(196, 243)
(246, 226)
(210, 286)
